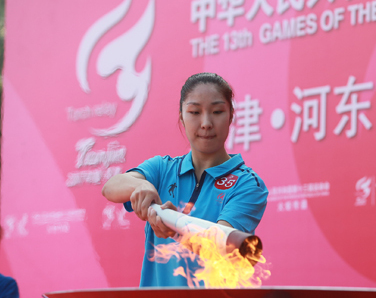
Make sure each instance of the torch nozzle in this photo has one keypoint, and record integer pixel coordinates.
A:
(250, 246)
(251, 249)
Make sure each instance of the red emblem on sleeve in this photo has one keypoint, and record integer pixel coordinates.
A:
(226, 182)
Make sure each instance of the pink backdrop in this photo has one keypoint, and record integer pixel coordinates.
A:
(91, 88)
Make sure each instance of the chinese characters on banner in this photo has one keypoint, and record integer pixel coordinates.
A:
(228, 11)
(311, 113)
(202, 10)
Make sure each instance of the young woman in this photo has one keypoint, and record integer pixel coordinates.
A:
(206, 183)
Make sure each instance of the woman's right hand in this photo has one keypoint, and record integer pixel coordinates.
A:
(142, 197)
(156, 223)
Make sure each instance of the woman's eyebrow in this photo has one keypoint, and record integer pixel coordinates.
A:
(218, 102)
(193, 103)
(198, 104)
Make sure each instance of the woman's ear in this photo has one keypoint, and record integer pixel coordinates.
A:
(231, 116)
(181, 118)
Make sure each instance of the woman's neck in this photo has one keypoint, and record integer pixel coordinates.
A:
(202, 161)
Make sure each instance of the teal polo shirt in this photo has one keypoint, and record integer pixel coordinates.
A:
(231, 192)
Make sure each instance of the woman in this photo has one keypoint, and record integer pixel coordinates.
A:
(206, 183)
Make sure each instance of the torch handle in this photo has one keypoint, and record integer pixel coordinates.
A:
(184, 224)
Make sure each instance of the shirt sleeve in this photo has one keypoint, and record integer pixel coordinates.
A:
(150, 169)
(8, 287)
(246, 205)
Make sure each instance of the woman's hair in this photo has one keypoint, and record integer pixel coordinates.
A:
(206, 78)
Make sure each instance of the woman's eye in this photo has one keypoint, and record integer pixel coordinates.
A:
(218, 112)
(193, 112)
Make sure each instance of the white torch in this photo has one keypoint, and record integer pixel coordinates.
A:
(226, 238)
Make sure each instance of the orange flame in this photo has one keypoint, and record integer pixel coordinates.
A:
(217, 270)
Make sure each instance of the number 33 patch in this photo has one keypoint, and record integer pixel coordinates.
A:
(226, 182)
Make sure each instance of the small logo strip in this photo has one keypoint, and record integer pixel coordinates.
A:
(171, 189)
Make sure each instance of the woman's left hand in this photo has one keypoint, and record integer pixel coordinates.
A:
(159, 228)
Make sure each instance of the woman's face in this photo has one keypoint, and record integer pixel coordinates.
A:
(206, 117)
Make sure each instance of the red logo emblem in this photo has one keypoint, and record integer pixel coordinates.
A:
(226, 182)
(220, 198)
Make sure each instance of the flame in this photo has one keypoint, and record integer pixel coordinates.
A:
(218, 269)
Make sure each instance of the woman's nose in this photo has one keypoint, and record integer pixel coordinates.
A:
(206, 122)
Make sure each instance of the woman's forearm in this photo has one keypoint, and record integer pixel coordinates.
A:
(119, 188)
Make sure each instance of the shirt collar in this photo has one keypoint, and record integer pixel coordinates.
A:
(227, 167)
(221, 170)
(186, 164)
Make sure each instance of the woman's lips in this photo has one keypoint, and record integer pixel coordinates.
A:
(207, 137)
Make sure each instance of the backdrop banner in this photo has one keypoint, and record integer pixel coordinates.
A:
(92, 88)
